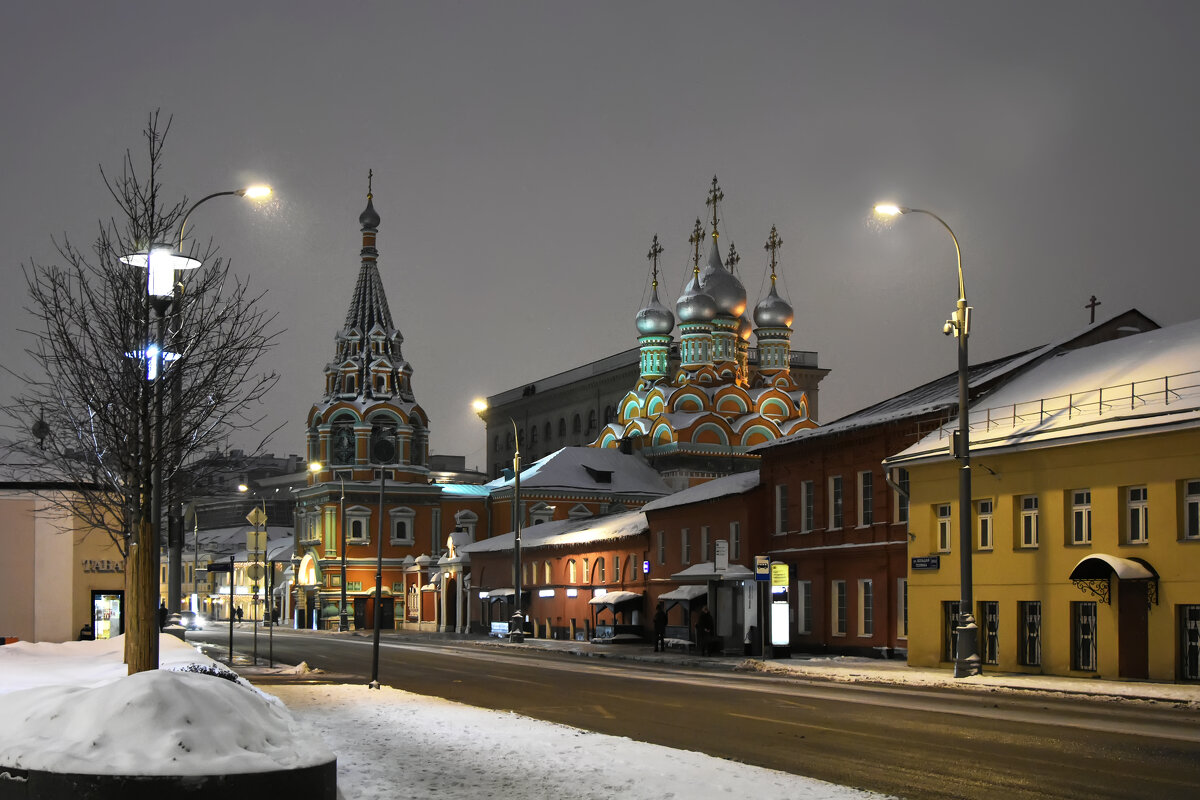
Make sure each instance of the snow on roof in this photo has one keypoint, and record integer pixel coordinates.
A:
(614, 598)
(707, 570)
(465, 489)
(941, 394)
(688, 591)
(568, 470)
(1141, 382)
(737, 483)
(566, 532)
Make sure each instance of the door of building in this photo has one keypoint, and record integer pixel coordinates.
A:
(1189, 642)
(108, 613)
(1132, 630)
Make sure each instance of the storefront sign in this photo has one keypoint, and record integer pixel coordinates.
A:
(102, 565)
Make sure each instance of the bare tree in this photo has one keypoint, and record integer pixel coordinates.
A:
(91, 399)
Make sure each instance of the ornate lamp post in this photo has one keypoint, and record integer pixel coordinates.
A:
(966, 660)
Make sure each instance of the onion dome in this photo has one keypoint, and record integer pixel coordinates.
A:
(369, 218)
(744, 328)
(723, 286)
(773, 311)
(695, 305)
(655, 319)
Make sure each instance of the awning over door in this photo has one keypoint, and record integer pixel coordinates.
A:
(1094, 572)
(615, 598)
(684, 594)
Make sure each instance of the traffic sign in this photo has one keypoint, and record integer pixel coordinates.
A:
(257, 516)
(255, 572)
(762, 568)
(256, 542)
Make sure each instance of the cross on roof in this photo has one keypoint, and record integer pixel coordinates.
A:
(715, 195)
(733, 259)
(1091, 306)
(656, 250)
(694, 240)
(774, 242)
(370, 175)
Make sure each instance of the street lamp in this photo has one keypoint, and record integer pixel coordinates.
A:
(315, 467)
(516, 633)
(966, 660)
(162, 263)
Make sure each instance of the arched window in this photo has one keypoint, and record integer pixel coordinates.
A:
(383, 441)
(533, 432)
(562, 427)
(600, 570)
(420, 443)
(341, 440)
(549, 432)
(572, 575)
(548, 574)
(576, 424)
(610, 414)
(591, 420)
(496, 443)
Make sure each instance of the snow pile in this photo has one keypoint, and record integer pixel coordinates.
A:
(70, 707)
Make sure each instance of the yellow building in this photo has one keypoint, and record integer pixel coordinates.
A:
(1085, 518)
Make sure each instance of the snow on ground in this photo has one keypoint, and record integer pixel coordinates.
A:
(390, 738)
(71, 708)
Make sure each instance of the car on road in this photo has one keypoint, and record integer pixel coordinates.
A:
(191, 620)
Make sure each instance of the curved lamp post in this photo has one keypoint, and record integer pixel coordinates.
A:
(516, 625)
(315, 467)
(966, 660)
(162, 263)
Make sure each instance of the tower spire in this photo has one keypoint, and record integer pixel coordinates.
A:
(715, 196)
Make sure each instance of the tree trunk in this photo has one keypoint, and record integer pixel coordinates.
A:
(141, 613)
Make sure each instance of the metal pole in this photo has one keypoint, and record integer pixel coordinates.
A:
(374, 684)
(343, 621)
(271, 613)
(254, 595)
(231, 611)
(516, 631)
(967, 661)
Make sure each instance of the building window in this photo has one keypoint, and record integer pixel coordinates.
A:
(331, 531)
(1029, 521)
(549, 432)
(838, 617)
(1081, 516)
(403, 520)
(1136, 515)
(989, 631)
(984, 514)
(547, 573)
(572, 575)
(804, 609)
(435, 526)
(662, 547)
(356, 525)
(591, 420)
(866, 503)
(562, 427)
(1191, 509)
(533, 435)
(496, 443)
(866, 607)
(1029, 617)
(1083, 635)
(943, 527)
(781, 516)
(902, 608)
(576, 424)
(949, 630)
(902, 497)
(587, 572)
(735, 541)
(808, 503)
(685, 546)
(835, 502)
(600, 570)
(705, 555)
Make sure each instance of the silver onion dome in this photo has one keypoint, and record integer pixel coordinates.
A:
(369, 219)
(723, 286)
(655, 319)
(773, 311)
(695, 305)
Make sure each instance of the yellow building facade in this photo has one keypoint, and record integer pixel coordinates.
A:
(1085, 518)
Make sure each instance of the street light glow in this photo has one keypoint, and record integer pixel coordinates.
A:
(315, 466)
(889, 209)
(255, 192)
(479, 405)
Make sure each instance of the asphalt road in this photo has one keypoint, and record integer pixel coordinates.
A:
(909, 742)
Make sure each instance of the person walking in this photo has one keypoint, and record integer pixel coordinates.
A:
(704, 632)
(660, 628)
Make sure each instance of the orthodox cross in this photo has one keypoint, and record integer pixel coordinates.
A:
(715, 195)
(656, 250)
(1091, 306)
(694, 240)
(733, 259)
(774, 242)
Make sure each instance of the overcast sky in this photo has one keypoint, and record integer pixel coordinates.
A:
(525, 153)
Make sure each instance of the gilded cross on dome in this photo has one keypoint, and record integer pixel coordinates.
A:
(694, 240)
(774, 242)
(715, 195)
(656, 250)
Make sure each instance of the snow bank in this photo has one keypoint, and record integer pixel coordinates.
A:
(70, 707)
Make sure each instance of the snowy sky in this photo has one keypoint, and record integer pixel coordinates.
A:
(525, 153)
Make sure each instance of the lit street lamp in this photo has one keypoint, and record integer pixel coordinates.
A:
(516, 625)
(966, 659)
(315, 467)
